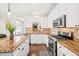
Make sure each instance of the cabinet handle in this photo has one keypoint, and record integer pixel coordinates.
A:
(75, 25)
(23, 48)
(63, 54)
(18, 48)
(60, 47)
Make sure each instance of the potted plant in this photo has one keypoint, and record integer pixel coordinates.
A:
(10, 27)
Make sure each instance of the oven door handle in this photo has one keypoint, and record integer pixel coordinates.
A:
(51, 39)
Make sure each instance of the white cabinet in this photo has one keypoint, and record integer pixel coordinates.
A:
(35, 38)
(17, 52)
(72, 15)
(23, 49)
(45, 37)
(39, 39)
(62, 51)
(26, 51)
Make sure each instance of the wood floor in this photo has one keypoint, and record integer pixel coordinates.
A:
(38, 50)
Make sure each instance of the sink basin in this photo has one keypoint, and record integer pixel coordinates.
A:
(2, 36)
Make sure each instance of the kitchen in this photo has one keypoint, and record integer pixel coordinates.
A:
(26, 30)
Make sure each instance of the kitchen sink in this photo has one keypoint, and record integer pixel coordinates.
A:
(2, 36)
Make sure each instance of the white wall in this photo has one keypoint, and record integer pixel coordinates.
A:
(72, 15)
(71, 10)
(2, 26)
(3, 19)
(42, 21)
(56, 12)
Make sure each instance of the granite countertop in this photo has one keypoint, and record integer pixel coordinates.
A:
(40, 31)
(7, 45)
(71, 45)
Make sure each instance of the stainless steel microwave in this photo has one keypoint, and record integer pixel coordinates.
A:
(60, 22)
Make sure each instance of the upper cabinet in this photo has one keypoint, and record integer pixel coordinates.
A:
(72, 15)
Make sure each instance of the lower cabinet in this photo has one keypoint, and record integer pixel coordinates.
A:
(26, 51)
(62, 51)
(23, 49)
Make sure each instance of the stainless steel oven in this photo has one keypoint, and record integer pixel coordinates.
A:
(52, 43)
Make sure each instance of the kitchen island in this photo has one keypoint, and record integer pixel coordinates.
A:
(14, 47)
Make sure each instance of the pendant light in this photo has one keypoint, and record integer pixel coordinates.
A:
(9, 10)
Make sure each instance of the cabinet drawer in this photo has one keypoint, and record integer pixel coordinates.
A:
(23, 50)
(65, 51)
(18, 49)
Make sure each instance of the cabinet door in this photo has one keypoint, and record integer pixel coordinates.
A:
(18, 54)
(41, 39)
(26, 48)
(45, 38)
(33, 39)
(22, 50)
(62, 51)
(72, 14)
(17, 51)
(59, 50)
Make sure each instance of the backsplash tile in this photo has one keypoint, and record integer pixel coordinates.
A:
(70, 29)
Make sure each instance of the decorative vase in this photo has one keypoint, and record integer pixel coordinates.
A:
(11, 36)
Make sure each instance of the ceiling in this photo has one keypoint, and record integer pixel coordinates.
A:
(27, 9)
